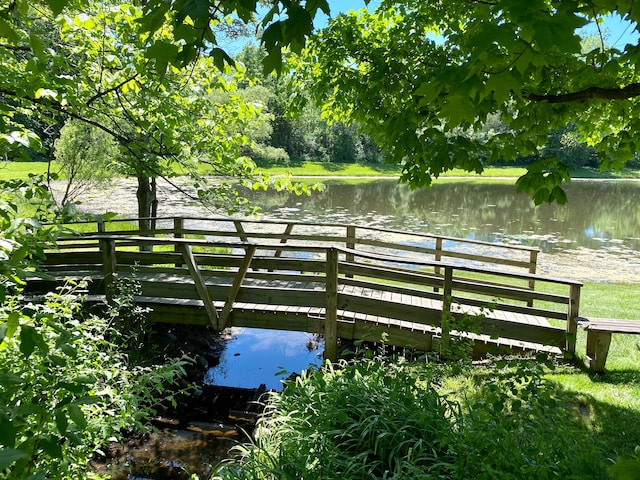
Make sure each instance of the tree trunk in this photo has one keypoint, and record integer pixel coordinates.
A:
(147, 204)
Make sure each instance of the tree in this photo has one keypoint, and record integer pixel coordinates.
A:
(307, 135)
(142, 75)
(86, 156)
(419, 75)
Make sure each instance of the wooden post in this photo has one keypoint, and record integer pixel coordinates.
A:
(438, 258)
(445, 324)
(101, 226)
(201, 287)
(331, 307)
(178, 232)
(533, 260)
(597, 350)
(237, 283)
(351, 244)
(285, 237)
(572, 318)
(109, 266)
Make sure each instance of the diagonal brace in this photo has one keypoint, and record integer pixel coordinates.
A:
(237, 283)
(201, 287)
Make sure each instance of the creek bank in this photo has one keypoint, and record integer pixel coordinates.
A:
(194, 435)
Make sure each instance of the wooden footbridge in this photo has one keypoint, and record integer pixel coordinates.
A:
(341, 281)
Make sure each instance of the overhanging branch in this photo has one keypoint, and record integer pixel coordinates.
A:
(630, 91)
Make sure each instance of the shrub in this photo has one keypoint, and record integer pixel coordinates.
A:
(381, 420)
(65, 389)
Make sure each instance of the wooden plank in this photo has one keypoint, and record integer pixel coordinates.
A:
(446, 253)
(212, 312)
(152, 258)
(395, 335)
(276, 296)
(446, 311)
(387, 274)
(382, 308)
(237, 283)
(506, 307)
(612, 325)
(533, 264)
(178, 232)
(240, 230)
(513, 293)
(110, 266)
(498, 328)
(72, 258)
(283, 240)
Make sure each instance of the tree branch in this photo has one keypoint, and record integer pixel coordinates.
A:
(591, 93)
(109, 90)
(15, 48)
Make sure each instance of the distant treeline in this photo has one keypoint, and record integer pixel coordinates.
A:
(290, 128)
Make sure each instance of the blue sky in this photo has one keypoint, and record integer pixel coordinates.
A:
(619, 32)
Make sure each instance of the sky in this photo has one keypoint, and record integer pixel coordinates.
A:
(619, 32)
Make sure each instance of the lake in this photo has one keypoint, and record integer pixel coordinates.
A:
(594, 237)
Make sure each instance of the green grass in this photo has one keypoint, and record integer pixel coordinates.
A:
(327, 169)
(396, 420)
(21, 170)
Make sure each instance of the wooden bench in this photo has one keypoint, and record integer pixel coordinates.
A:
(599, 332)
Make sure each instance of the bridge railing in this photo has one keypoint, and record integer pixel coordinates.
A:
(336, 291)
(360, 238)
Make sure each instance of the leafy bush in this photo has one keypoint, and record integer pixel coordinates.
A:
(65, 389)
(66, 386)
(380, 420)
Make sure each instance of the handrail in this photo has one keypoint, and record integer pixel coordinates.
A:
(136, 239)
(321, 224)
(351, 236)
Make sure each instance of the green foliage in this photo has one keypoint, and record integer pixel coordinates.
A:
(379, 419)
(141, 76)
(65, 389)
(626, 468)
(66, 386)
(24, 239)
(421, 78)
(307, 135)
(85, 156)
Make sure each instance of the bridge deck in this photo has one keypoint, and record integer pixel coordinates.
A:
(183, 305)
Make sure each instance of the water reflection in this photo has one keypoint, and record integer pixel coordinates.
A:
(254, 356)
(599, 214)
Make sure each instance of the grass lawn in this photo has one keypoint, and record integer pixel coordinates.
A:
(17, 170)
(611, 400)
(21, 170)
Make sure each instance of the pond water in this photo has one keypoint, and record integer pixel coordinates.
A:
(254, 356)
(599, 214)
(594, 237)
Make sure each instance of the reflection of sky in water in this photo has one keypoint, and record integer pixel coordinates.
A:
(256, 356)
